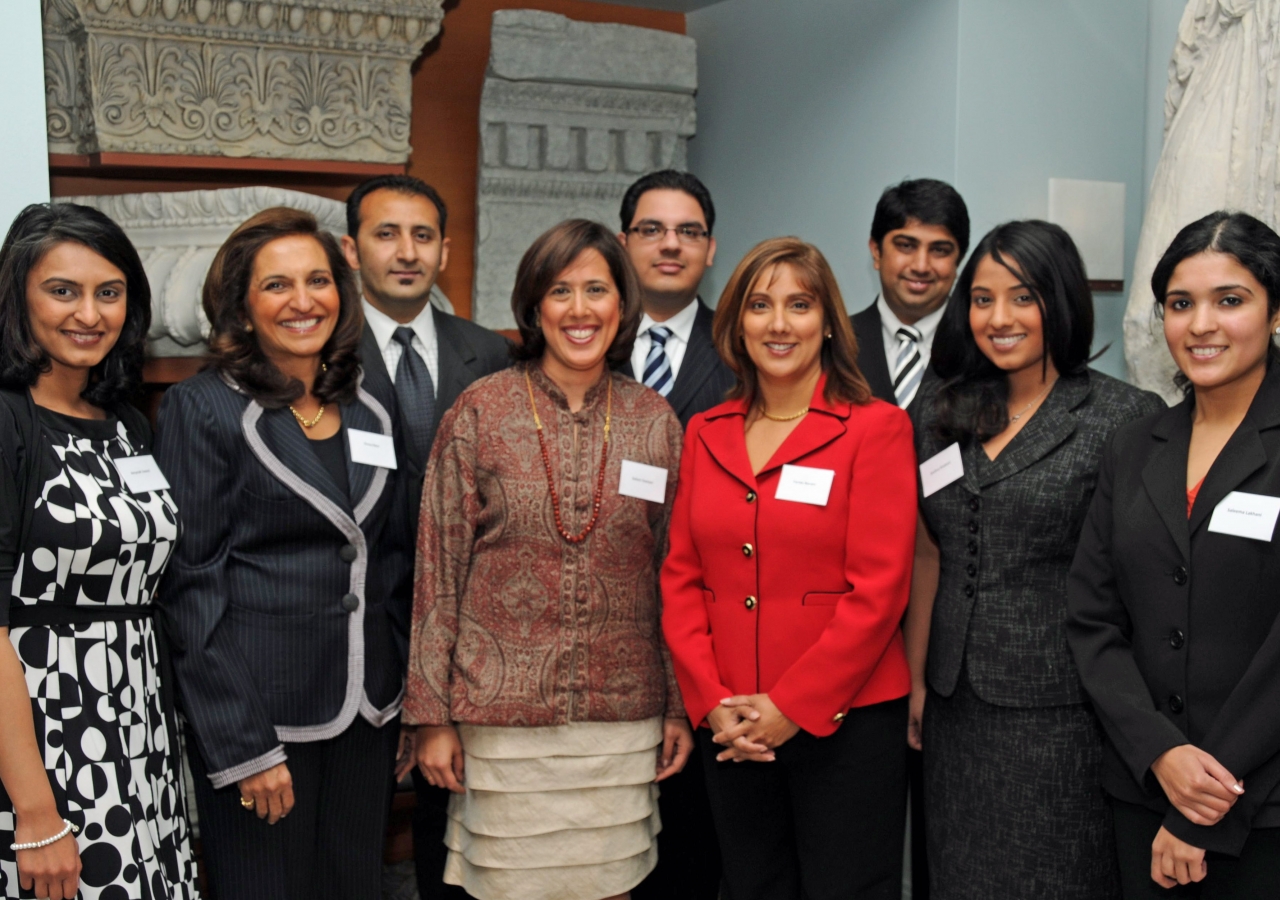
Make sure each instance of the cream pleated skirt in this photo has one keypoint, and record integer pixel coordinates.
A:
(565, 812)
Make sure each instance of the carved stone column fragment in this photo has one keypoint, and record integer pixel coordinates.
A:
(294, 79)
(570, 115)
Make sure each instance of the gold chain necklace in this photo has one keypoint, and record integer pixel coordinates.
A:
(764, 412)
(320, 415)
(303, 422)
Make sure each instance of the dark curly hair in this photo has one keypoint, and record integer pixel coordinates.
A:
(236, 352)
(973, 399)
(552, 253)
(37, 230)
(1253, 244)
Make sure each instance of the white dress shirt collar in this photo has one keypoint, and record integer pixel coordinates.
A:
(681, 325)
(384, 327)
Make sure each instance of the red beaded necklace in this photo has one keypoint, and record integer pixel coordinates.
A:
(546, 462)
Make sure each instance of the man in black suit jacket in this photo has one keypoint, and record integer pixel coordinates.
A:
(667, 218)
(396, 242)
(919, 234)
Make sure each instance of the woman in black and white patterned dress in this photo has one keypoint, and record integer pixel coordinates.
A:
(91, 799)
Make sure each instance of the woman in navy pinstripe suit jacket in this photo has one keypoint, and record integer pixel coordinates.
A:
(282, 597)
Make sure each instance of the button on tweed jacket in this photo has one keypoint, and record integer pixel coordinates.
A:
(1007, 531)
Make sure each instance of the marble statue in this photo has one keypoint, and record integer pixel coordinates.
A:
(1221, 148)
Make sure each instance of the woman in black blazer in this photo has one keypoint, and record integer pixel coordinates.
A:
(1012, 752)
(1173, 594)
(285, 591)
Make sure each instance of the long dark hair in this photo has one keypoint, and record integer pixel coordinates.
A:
(37, 230)
(845, 380)
(235, 348)
(1253, 244)
(973, 399)
(552, 253)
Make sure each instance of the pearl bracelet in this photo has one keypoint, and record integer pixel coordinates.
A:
(36, 845)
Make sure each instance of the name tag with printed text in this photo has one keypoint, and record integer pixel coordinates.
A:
(141, 474)
(643, 481)
(371, 449)
(940, 470)
(1246, 515)
(803, 484)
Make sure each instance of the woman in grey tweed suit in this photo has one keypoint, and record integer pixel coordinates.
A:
(1012, 750)
(283, 594)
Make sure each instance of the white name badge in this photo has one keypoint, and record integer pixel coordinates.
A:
(802, 484)
(643, 481)
(941, 469)
(1246, 515)
(372, 449)
(141, 474)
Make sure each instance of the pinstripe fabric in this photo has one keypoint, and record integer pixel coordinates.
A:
(265, 652)
(329, 847)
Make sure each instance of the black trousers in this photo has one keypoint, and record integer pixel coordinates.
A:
(919, 838)
(1254, 876)
(825, 821)
(430, 817)
(329, 847)
(688, 853)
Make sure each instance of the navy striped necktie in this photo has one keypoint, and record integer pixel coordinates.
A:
(908, 367)
(657, 365)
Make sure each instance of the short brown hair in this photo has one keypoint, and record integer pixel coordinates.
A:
(236, 351)
(552, 253)
(845, 381)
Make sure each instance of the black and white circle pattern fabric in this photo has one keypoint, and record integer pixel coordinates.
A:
(95, 687)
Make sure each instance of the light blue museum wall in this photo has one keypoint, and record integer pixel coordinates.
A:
(23, 146)
(806, 115)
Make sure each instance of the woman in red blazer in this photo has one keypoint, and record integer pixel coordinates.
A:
(792, 538)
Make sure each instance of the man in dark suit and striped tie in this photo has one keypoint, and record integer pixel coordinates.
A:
(667, 219)
(396, 241)
(919, 234)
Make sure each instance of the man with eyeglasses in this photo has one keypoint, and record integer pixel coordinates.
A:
(667, 219)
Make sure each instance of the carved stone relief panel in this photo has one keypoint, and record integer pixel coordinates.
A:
(571, 114)
(177, 235)
(295, 79)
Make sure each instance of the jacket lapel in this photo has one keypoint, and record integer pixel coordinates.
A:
(1052, 424)
(700, 359)
(288, 448)
(1243, 454)
(871, 361)
(725, 440)
(1165, 474)
(456, 359)
(371, 353)
(367, 482)
(822, 426)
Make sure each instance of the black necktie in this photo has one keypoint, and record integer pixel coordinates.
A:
(417, 395)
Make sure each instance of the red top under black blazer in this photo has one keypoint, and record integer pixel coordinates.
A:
(802, 602)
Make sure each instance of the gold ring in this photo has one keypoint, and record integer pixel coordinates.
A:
(247, 802)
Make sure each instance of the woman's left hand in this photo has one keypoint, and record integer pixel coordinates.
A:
(772, 729)
(677, 744)
(1174, 861)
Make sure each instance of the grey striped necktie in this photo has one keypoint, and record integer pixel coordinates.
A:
(657, 365)
(417, 396)
(908, 366)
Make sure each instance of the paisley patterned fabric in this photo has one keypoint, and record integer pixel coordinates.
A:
(512, 624)
(95, 687)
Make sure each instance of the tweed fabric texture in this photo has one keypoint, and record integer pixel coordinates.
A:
(513, 625)
(1007, 531)
(1014, 802)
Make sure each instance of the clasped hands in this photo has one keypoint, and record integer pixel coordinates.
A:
(1202, 790)
(750, 727)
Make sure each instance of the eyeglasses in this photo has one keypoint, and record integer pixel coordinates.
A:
(651, 232)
